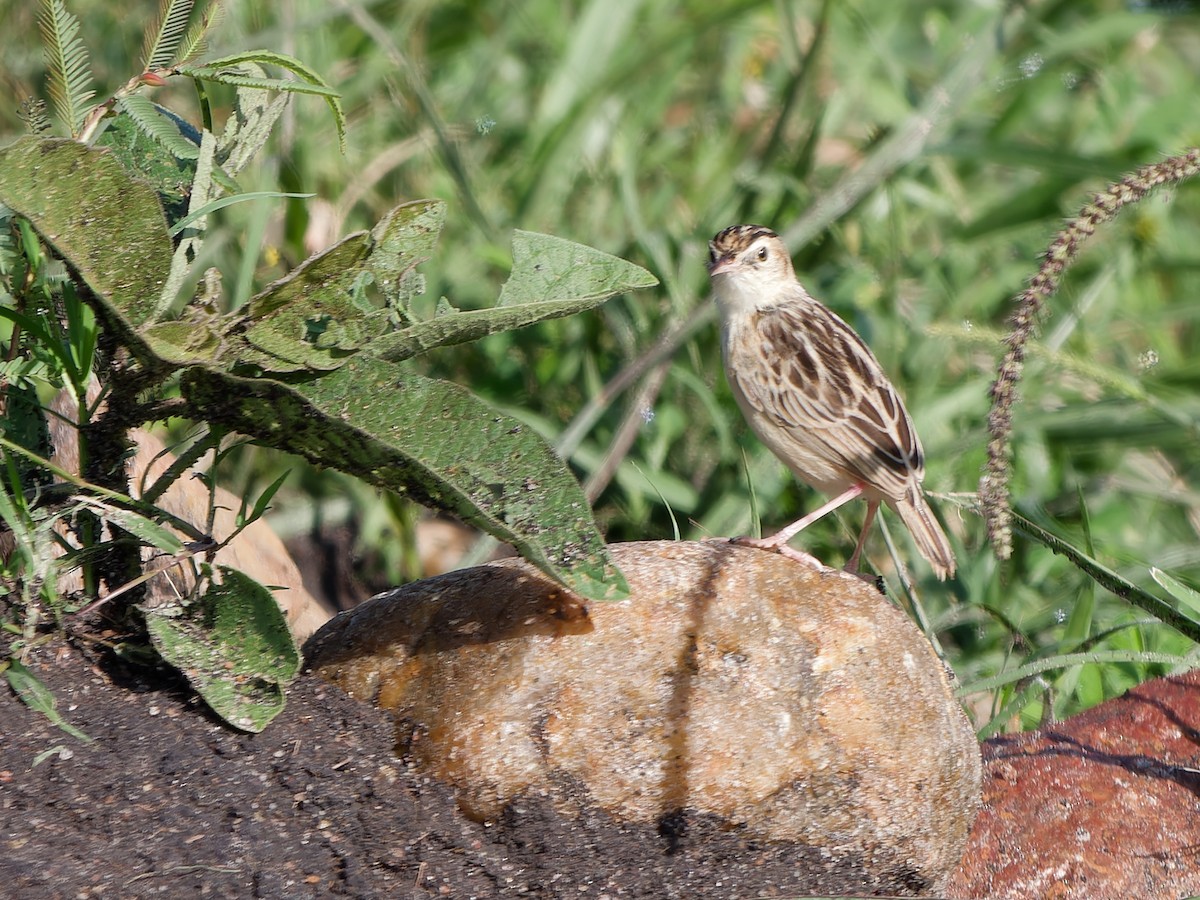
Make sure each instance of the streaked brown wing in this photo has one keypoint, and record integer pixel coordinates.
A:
(826, 387)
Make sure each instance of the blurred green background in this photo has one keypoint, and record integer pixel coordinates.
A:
(918, 157)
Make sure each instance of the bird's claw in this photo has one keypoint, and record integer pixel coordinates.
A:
(783, 550)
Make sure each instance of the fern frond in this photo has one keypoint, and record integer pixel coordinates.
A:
(193, 42)
(32, 112)
(67, 59)
(151, 122)
(167, 34)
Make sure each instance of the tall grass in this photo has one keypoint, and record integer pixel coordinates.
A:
(918, 158)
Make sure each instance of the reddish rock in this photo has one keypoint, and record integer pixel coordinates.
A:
(1102, 805)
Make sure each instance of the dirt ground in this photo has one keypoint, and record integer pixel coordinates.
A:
(168, 802)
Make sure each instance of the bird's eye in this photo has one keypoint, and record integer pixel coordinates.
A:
(762, 254)
(712, 255)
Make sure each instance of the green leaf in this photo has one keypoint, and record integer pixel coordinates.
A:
(193, 43)
(218, 70)
(37, 328)
(311, 320)
(195, 339)
(233, 646)
(434, 442)
(142, 527)
(551, 277)
(308, 319)
(38, 697)
(1188, 597)
(66, 57)
(602, 31)
(405, 238)
(167, 34)
(261, 504)
(551, 268)
(222, 202)
(169, 174)
(159, 128)
(236, 79)
(247, 129)
(1065, 661)
(189, 245)
(82, 337)
(25, 423)
(107, 225)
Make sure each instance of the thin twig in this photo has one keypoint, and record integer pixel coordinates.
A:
(627, 433)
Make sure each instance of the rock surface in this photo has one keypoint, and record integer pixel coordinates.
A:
(734, 686)
(1102, 805)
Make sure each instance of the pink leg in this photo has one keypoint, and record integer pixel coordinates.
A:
(782, 537)
(778, 541)
(872, 508)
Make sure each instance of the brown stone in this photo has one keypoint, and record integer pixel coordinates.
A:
(1102, 805)
(734, 683)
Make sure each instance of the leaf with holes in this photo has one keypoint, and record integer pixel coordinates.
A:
(434, 442)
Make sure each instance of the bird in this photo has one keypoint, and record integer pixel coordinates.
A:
(816, 396)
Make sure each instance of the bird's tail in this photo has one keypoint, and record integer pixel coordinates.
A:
(927, 533)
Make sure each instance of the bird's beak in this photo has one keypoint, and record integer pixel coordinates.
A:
(721, 266)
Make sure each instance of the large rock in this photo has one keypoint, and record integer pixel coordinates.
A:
(1101, 806)
(734, 684)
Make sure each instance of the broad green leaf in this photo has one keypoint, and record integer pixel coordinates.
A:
(551, 277)
(552, 268)
(233, 646)
(38, 697)
(169, 174)
(308, 320)
(248, 126)
(311, 320)
(405, 238)
(469, 325)
(197, 339)
(434, 442)
(107, 225)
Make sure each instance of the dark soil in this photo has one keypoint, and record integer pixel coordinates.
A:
(167, 802)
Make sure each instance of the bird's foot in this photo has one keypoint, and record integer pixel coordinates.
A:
(783, 550)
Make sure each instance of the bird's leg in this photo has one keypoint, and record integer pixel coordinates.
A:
(778, 541)
(872, 508)
(780, 538)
